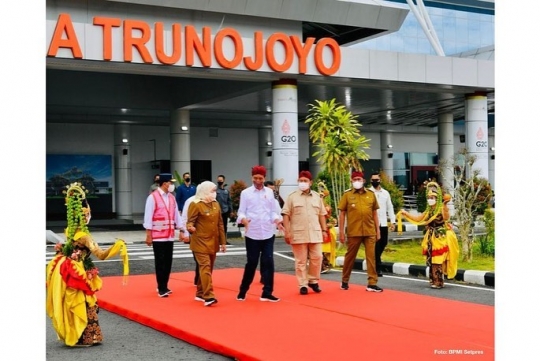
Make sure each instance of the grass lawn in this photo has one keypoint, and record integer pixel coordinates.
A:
(411, 252)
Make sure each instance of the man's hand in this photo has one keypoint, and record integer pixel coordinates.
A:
(223, 248)
(392, 227)
(325, 237)
(148, 240)
(341, 237)
(288, 237)
(245, 222)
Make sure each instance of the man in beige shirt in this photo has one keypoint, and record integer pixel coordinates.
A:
(305, 230)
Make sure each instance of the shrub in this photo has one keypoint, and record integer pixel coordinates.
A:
(235, 189)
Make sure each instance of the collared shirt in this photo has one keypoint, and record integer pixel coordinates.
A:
(359, 205)
(386, 208)
(184, 216)
(261, 209)
(183, 193)
(304, 210)
(224, 199)
(149, 208)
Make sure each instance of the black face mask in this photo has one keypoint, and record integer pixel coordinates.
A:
(375, 184)
(187, 180)
(220, 183)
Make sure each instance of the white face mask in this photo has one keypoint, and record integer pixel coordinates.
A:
(431, 202)
(212, 196)
(357, 184)
(303, 186)
(171, 188)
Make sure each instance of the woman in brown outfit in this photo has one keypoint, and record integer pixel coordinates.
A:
(207, 237)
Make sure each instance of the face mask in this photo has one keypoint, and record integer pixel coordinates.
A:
(375, 184)
(220, 183)
(212, 196)
(303, 186)
(187, 180)
(171, 188)
(357, 184)
(431, 202)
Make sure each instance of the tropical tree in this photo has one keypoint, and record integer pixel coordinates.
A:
(466, 200)
(335, 133)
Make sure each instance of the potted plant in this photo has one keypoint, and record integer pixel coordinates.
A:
(234, 190)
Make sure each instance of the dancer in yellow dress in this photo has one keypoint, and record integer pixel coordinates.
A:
(72, 279)
(328, 248)
(440, 244)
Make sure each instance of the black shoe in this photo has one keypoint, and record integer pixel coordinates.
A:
(374, 288)
(344, 286)
(168, 291)
(241, 296)
(163, 294)
(269, 298)
(303, 291)
(315, 287)
(210, 302)
(227, 243)
(379, 274)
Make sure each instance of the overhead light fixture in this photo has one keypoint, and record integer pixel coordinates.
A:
(390, 146)
(492, 149)
(268, 143)
(125, 140)
(268, 109)
(123, 110)
(184, 127)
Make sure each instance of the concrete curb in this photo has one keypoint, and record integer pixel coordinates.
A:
(483, 278)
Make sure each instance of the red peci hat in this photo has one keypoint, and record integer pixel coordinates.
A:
(305, 174)
(258, 169)
(357, 174)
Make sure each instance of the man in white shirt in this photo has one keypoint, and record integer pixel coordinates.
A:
(260, 213)
(161, 218)
(386, 211)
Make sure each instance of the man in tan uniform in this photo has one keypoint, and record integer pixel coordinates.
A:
(359, 207)
(305, 227)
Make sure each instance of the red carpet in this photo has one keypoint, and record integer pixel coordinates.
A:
(334, 324)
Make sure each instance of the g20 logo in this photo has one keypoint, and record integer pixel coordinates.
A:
(288, 138)
(482, 144)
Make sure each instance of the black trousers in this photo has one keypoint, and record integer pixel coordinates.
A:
(163, 252)
(379, 248)
(225, 217)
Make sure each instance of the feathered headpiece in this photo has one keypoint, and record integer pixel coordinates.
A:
(77, 209)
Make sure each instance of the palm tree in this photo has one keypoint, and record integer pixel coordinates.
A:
(340, 147)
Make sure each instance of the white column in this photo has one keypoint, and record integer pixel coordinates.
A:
(446, 149)
(122, 172)
(387, 154)
(476, 132)
(314, 166)
(491, 160)
(180, 142)
(285, 133)
(265, 151)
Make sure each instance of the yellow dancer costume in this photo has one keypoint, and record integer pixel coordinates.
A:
(440, 244)
(73, 279)
(329, 248)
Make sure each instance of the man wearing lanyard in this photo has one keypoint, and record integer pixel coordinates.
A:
(161, 218)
